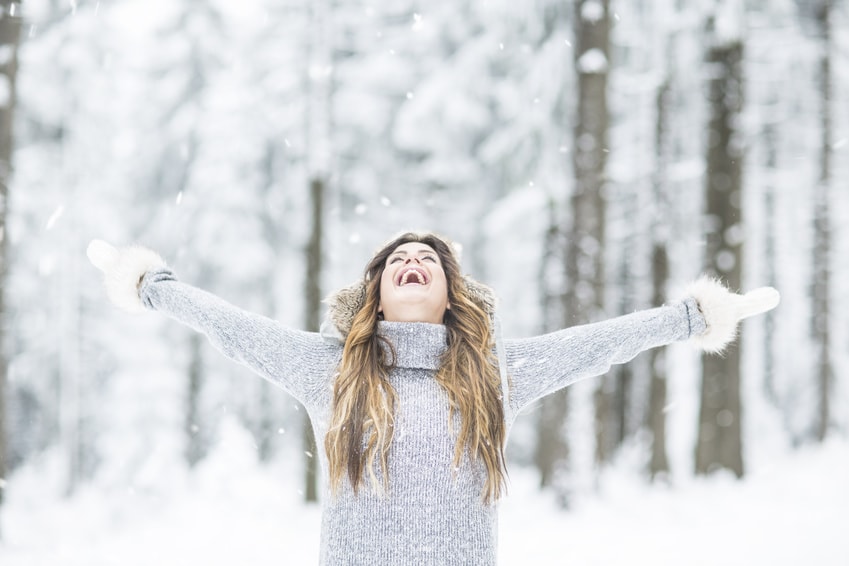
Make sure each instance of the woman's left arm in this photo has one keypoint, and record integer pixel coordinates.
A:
(709, 316)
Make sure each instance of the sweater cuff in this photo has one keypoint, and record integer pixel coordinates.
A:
(151, 278)
(698, 324)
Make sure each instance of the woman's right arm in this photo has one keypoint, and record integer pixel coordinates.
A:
(300, 362)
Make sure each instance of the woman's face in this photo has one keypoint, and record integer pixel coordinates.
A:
(413, 287)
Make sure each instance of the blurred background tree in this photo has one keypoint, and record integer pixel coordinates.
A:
(589, 156)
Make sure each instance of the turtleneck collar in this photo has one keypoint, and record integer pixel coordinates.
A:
(417, 344)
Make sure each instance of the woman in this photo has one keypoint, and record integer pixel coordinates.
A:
(410, 388)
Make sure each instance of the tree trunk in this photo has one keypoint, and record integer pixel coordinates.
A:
(196, 433)
(614, 394)
(10, 30)
(265, 429)
(266, 417)
(551, 456)
(318, 128)
(583, 298)
(771, 169)
(659, 463)
(585, 243)
(552, 453)
(74, 404)
(195, 447)
(719, 436)
(313, 321)
(822, 229)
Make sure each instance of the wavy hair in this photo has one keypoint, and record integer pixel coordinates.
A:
(364, 401)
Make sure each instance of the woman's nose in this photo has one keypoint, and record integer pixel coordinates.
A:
(409, 259)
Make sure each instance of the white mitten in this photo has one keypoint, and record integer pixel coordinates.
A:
(724, 309)
(123, 269)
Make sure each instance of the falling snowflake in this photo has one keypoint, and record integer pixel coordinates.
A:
(57, 214)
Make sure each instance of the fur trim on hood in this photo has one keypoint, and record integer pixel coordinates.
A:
(344, 304)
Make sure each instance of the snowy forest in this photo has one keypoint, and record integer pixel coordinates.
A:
(589, 157)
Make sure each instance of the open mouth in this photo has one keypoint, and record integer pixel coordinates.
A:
(411, 276)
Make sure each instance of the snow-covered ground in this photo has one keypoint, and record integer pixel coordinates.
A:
(230, 511)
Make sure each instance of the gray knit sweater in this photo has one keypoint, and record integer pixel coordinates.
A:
(430, 514)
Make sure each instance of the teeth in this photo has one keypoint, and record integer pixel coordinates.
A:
(419, 277)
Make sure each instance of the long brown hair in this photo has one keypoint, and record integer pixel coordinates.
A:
(364, 401)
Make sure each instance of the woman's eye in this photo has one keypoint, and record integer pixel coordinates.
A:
(430, 257)
(395, 259)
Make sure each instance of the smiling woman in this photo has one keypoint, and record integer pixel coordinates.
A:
(466, 370)
(413, 286)
(412, 388)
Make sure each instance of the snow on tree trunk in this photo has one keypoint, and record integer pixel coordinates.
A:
(10, 28)
(719, 443)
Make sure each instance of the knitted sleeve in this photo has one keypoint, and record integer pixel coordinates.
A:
(300, 362)
(544, 364)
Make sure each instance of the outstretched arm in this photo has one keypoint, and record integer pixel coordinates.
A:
(301, 362)
(709, 315)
